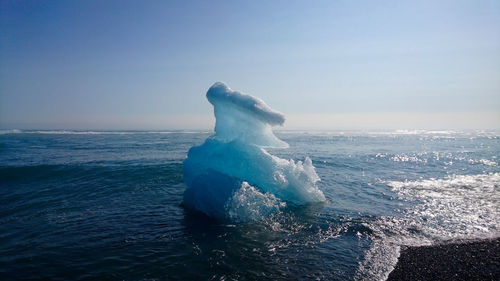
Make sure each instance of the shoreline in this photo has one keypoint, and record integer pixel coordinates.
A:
(473, 260)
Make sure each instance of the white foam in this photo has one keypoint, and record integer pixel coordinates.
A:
(248, 203)
(459, 207)
(12, 131)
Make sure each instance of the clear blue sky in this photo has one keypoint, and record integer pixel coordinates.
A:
(325, 64)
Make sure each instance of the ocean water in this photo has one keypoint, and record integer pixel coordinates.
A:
(108, 205)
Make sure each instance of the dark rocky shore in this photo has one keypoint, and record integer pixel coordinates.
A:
(479, 260)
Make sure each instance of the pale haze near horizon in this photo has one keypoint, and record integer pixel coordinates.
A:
(324, 64)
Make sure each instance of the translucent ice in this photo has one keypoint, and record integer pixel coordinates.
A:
(243, 117)
(232, 176)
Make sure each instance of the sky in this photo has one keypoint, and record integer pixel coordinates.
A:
(324, 64)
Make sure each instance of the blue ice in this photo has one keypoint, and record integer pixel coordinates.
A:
(232, 176)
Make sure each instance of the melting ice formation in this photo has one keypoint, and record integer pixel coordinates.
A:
(232, 176)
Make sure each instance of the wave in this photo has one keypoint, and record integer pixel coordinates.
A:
(456, 208)
(76, 132)
(430, 133)
(460, 206)
(12, 131)
(442, 134)
(89, 172)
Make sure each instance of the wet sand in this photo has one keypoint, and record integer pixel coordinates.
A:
(478, 260)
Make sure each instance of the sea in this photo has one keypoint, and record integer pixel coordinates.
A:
(107, 205)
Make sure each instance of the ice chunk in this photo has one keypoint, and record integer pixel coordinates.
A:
(232, 176)
(244, 117)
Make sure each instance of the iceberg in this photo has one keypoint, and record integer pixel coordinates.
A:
(231, 176)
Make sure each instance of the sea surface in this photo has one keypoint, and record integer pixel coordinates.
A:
(108, 206)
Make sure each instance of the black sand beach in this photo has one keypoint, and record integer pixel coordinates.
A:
(478, 260)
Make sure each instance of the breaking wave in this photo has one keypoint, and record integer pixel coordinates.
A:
(459, 207)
